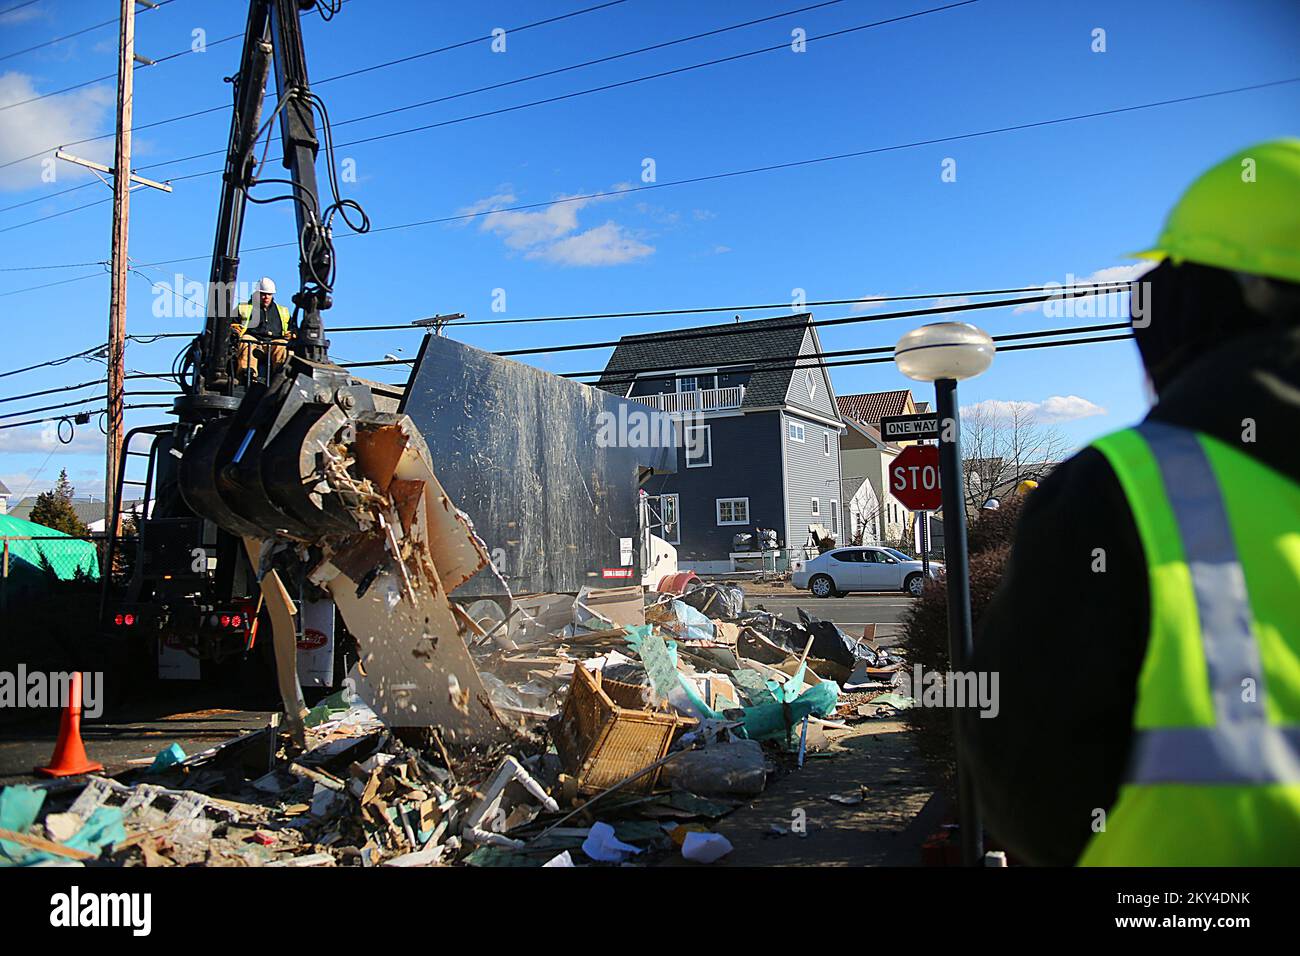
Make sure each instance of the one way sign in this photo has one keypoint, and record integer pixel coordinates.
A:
(909, 427)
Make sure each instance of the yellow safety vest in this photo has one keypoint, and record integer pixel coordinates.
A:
(1214, 772)
(245, 310)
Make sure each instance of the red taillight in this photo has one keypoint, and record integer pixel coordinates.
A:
(225, 620)
(236, 620)
(127, 619)
(118, 620)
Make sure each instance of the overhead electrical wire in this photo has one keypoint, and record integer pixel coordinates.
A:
(1079, 289)
(98, 411)
(561, 97)
(775, 362)
(315, 83)
(158, 5)
(485, 114)
(856, 154)
(157, 61)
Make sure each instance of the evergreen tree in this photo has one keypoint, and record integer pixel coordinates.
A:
(54, 509)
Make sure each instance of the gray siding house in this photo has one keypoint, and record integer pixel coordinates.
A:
(758, 437)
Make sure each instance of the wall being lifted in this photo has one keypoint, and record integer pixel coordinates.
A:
(546, 468)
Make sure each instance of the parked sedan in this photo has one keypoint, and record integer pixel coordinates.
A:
(838, 572)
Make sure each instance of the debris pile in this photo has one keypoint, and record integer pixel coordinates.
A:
(636, 721)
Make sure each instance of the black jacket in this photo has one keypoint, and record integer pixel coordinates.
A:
(1068, 643)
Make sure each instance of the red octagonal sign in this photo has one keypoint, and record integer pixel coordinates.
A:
(914, 478)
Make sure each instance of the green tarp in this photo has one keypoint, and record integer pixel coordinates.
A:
(66, 554)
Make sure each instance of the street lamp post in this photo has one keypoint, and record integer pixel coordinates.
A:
(944, 353)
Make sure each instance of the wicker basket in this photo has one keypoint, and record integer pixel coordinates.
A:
(604, 734)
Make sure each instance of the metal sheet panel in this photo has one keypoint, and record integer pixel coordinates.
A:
(546, 468)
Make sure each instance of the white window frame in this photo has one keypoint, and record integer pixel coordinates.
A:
(708, 446)
(795, 430)
(812, 386)
(817, 507)
(835, 518)
(826, 441)
(717, 506)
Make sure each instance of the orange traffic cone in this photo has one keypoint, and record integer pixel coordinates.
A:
(69, 753)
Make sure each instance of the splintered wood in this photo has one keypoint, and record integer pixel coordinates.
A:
(391, 583)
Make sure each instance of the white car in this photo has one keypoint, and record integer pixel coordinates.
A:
(838, 572)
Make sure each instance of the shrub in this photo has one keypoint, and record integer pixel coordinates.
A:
(924, 636)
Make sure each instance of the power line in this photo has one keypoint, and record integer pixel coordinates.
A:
(535, 76)
(860, 300)
(110, 76)
(561, 97)
(51, 391)
(812, 361)
(54, 362)
(17, 6)
(802, 362)
(56, 418)
(48, 285)
(506, 109)
(761, 364)
(739, 329)
(771, 167)
(315, 83)
(76, 33)
(1076, 290)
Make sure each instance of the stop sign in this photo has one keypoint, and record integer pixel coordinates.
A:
(914, 478)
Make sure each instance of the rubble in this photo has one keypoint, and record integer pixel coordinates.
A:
(626, 726)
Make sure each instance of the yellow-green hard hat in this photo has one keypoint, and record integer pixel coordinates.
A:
(1242, 215)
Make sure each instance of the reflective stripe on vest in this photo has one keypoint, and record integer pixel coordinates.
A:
(1214, 766)
(1241, 747)
(245, 310)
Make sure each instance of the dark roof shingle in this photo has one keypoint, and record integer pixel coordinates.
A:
(759, 341)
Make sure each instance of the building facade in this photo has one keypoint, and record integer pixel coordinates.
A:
(758, 433)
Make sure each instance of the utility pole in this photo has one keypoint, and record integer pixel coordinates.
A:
(121, 185)
(121, 222)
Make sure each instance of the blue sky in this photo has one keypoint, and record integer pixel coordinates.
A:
(1026, 207)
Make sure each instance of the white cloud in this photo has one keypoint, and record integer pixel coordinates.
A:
(721, 250)
(1125, 273)
(50, 122)
(867, 304)
(1052, 410)
(87, 439)
(606, 245)
(23, 15)
(551, 233)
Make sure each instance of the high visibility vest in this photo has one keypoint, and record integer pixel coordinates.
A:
(1214, 773)
(245, 310)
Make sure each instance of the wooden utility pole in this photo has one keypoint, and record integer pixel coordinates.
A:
(121, 220)
(123, 178)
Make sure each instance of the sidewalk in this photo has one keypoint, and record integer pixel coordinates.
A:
(882, 830)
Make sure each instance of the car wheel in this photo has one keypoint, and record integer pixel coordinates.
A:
(914, 584)
(821, 586)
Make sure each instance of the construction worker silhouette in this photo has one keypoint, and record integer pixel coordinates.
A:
(1146, 631)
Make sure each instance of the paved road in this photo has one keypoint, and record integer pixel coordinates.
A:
(884, 610)
(134, 731)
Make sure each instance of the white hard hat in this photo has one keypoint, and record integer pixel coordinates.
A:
(266, 285)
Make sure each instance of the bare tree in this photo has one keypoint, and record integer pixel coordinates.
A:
(1003, 444)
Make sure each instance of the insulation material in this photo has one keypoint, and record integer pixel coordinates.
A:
(390, 585)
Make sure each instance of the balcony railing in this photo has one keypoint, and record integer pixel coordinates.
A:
(704, 400)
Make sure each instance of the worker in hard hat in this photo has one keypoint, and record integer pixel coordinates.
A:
(1146, 632)
(262, 331)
